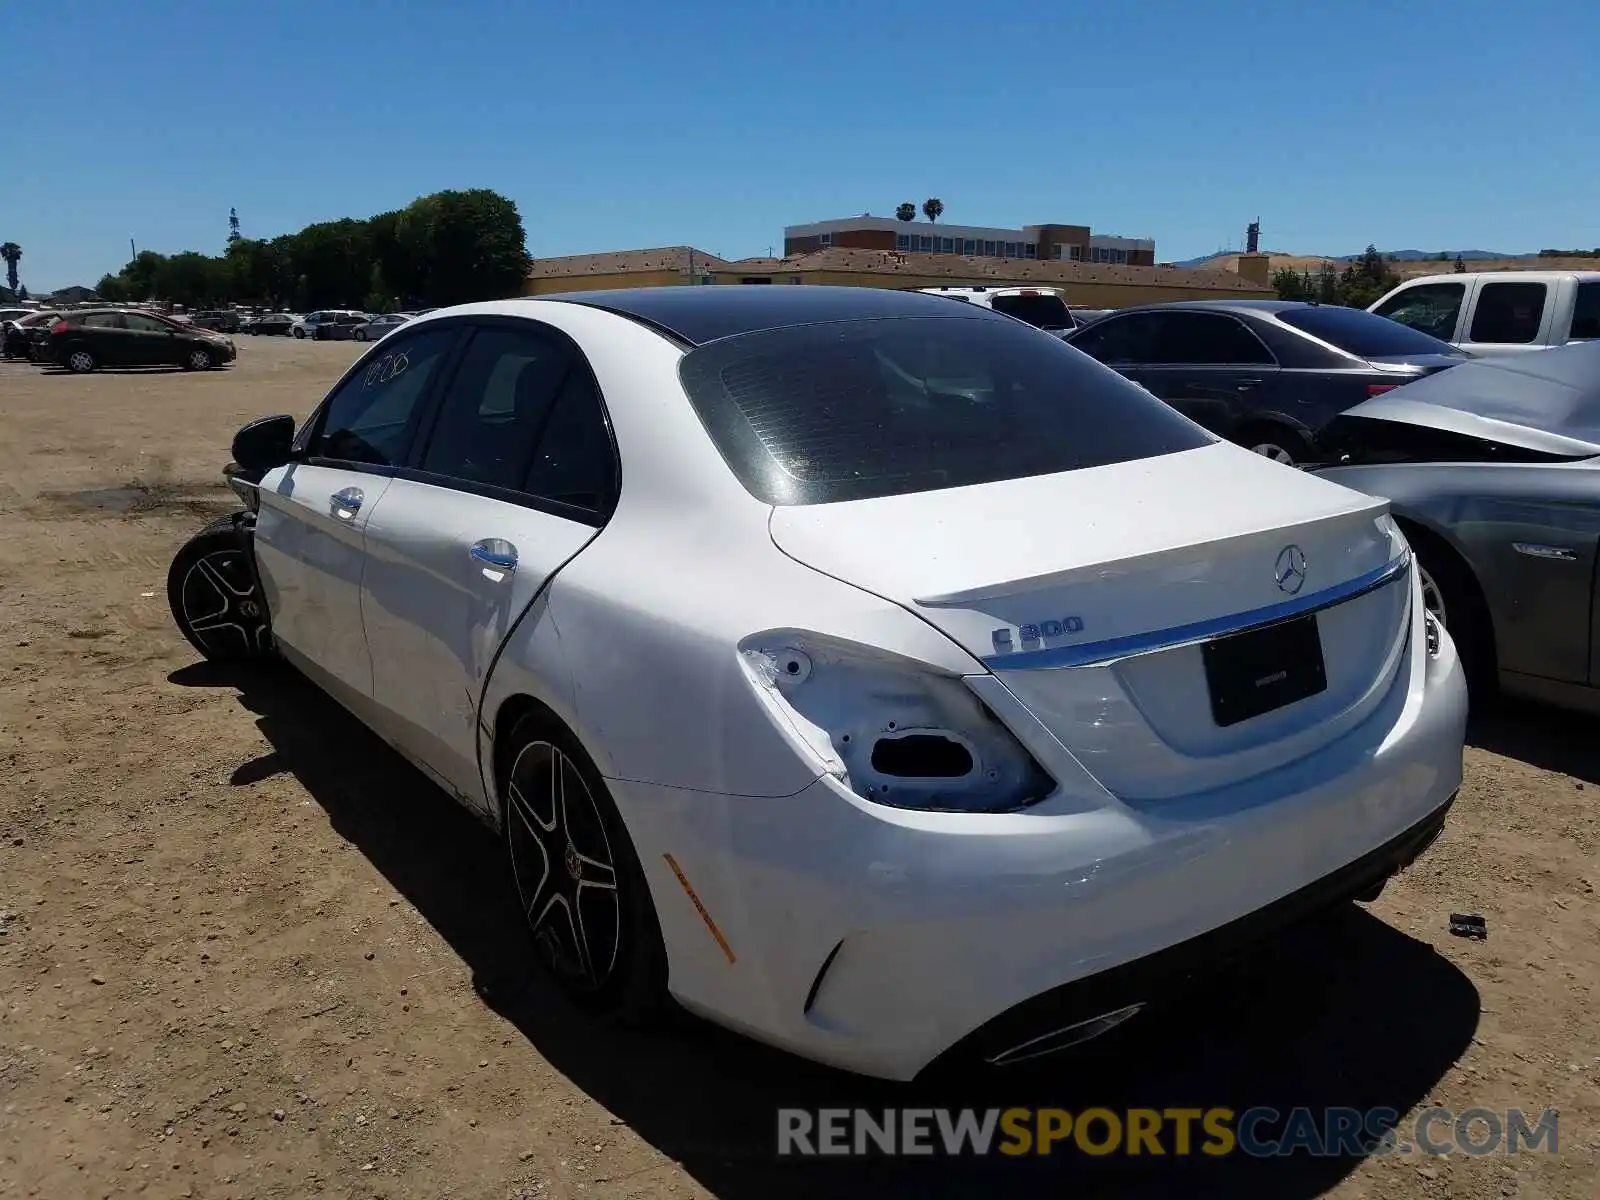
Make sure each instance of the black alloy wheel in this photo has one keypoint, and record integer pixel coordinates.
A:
(578, 880)
(211, 589)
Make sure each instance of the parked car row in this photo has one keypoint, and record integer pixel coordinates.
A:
(86, 339)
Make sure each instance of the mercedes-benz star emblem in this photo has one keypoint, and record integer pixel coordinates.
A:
(1291, 569)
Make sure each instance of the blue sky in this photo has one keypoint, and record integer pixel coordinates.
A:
(1471, 124)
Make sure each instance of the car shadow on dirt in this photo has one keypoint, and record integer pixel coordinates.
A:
(1347, 1012)
(1554, 739)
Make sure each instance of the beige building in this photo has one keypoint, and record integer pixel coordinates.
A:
(1098, 285)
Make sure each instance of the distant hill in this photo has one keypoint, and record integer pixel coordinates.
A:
(1227, 260)
(1423, 255)
(1408, 263)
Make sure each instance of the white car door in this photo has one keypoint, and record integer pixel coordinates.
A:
(517, 474)
(310, 530)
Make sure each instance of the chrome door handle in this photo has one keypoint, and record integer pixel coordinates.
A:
(347, 504)
(495, 552)
(1535, 550)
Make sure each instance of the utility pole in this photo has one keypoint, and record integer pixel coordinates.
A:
(133, 251)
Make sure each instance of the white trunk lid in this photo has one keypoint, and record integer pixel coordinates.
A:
(1092, 594)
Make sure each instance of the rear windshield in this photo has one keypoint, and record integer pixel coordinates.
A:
(1364, 334)
(1045, 312)
(847, 410)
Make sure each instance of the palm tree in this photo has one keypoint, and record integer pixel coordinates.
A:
(12, 253)
(933, 208)
(906, 212)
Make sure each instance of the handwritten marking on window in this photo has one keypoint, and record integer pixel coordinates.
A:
(390, 366)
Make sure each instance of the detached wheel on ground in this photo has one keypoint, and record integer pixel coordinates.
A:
(81, 360)
(198, 359)
(578, 878)
(211, 591)
(1279, 443)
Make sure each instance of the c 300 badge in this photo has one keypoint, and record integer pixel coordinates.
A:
(1032, 634)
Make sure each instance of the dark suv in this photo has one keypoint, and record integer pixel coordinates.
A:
(111, 337)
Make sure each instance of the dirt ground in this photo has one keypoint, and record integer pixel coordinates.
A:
(246, 952)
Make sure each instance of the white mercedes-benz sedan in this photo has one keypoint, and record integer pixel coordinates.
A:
(877, 676)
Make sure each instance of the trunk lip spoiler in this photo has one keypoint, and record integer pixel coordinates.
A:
(1110, 650)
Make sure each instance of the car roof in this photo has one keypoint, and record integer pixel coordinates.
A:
(1548, 400)
(1264, 307)
(700, 314)
(1531, 276)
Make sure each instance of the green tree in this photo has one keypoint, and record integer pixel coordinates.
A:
(1291, 284)
(933, 208)
(112, 288)
(12, 254)
(1367, 278)
(233, 226)
(464, 246)
(446, 248)
(906, 212)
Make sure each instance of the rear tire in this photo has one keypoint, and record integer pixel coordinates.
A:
(81, 360)
(1451, 593)
(1277, 442)
(299, 333)
(211, 590)
(578, 878)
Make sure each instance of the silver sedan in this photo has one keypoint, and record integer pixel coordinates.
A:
(374, 329)
(1492, 469)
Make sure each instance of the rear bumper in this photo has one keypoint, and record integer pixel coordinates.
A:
(878, 940)
(1036, 1026)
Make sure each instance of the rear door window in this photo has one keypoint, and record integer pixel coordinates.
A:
(496, 408)
(847, 410)
(1121, 340)
(1430, 308)
(1586, 313)
(1509, 313)
(1207, 339)
(1044, 311)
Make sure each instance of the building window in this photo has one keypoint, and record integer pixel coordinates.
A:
(1077, 254)
(969, 246)
(1030, 250)
(902, 241)
(827, 239)
(927, 242)
(947, 245)
(988, 249)
(1011, 250)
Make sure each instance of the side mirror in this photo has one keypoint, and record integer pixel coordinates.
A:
(264, 443)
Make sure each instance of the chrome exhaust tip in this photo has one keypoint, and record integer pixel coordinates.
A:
(1065, 1037)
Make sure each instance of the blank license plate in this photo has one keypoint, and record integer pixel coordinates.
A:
(1252, 673)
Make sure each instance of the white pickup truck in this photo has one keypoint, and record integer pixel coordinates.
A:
(1499, 312)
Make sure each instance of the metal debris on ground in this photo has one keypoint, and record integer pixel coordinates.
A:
(1471, 925)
